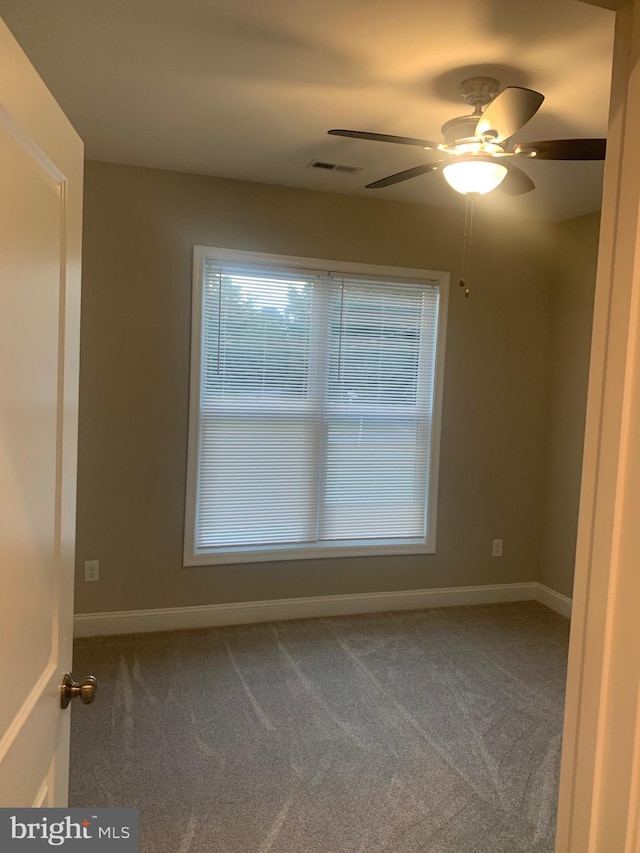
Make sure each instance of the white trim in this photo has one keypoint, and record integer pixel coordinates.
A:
(553, 600)
(317, 551)
(597, 806)
(193, 556)
(436, 419)
(211, 615)
(194, 407)
(321, 264)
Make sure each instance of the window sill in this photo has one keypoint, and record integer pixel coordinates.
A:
(313, 552)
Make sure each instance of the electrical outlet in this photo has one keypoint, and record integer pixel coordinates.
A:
(496, 550)
(91, 570)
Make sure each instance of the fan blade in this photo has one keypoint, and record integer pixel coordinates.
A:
(565, 149)
(403, 176)
(516, 182)
(508, 112)
(384, 137)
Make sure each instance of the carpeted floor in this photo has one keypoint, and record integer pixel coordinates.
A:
(435, 731)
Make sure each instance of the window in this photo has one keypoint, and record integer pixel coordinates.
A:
(315, 400)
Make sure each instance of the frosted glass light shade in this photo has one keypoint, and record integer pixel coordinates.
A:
(473, 175)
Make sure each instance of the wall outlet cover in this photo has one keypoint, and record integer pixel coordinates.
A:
(91, 570)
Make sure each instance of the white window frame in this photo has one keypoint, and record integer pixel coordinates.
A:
(194, 556)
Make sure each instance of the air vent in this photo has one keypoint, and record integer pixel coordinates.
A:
(334, 167)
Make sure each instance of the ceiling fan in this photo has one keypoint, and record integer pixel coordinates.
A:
(478, 149)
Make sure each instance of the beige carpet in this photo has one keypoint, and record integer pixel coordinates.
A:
(436, 730)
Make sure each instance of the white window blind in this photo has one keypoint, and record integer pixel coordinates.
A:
(315, 399)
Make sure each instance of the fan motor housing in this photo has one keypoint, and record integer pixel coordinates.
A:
(478, 92)
(463, 127)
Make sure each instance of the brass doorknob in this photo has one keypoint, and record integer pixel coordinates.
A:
(85, 689)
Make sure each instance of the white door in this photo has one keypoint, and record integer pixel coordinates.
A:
(41, 160)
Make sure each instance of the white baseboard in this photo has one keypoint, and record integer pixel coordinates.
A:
(208, 616)
(555, 600)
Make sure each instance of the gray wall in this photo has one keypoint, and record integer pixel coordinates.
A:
(571, 337)
(140, 225)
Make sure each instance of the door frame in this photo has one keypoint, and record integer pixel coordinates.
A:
(599, 804)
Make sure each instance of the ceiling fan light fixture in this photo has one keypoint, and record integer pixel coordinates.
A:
(474, 175)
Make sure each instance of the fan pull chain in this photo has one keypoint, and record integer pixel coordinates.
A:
(466, 247)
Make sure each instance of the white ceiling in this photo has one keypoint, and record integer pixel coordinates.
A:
(247, 89)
